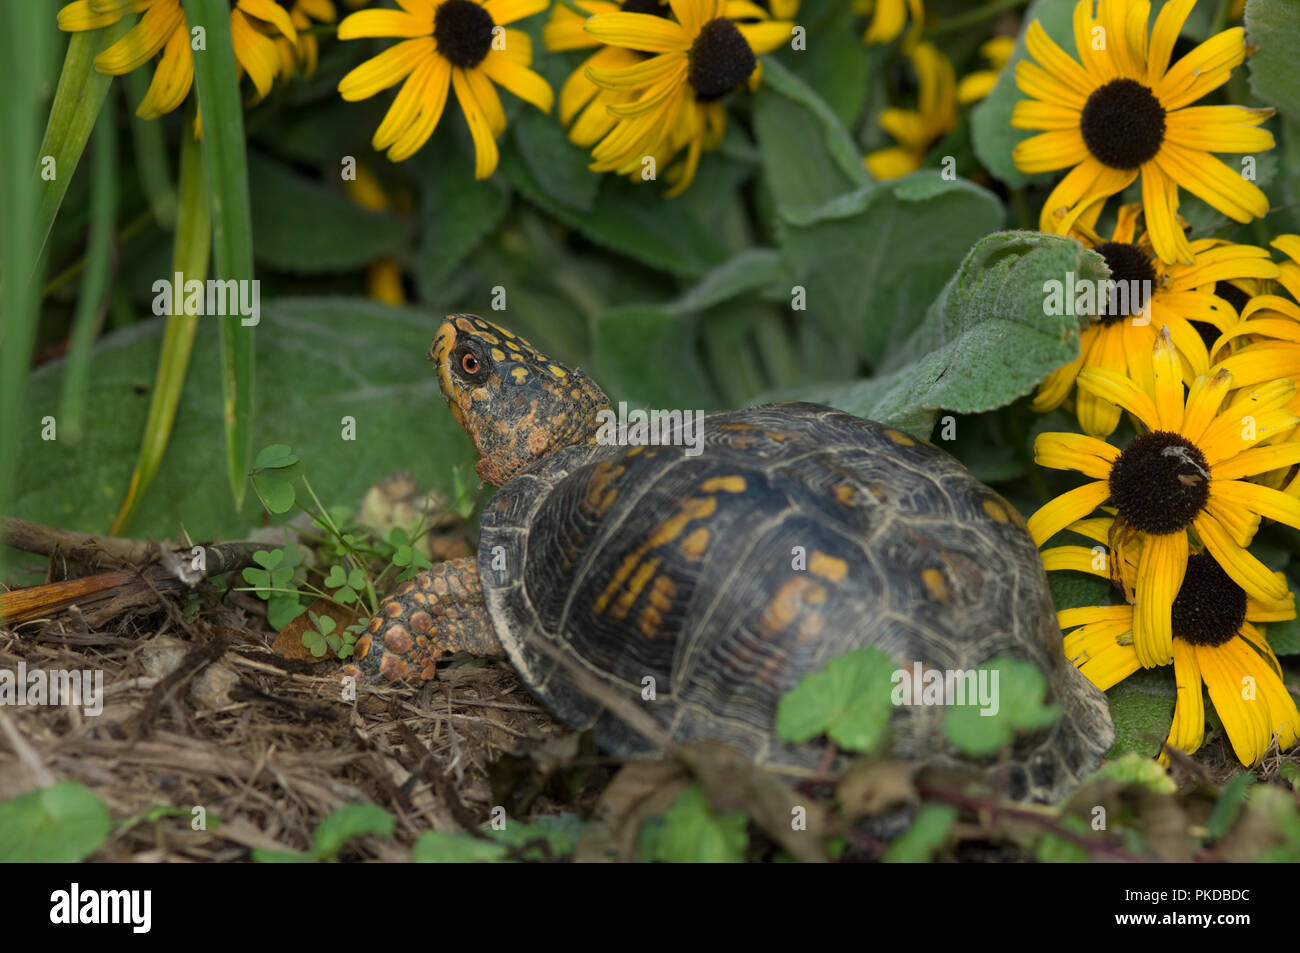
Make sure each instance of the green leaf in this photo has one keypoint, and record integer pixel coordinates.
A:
(434, 847)
(301, 226)
(872, 260)
(559, 833)
(457, 212)
(367, 360)
(849, 700)
(991, 130)
(1142, 708)
(808, 156)
(278, 456)
(1133, 768)
(1017, 708)
(226, 168)
(927, 834)
(558, 166)
(1229, 805)
(1054, 849)
(348, 823)
(984, 342)
(1071, 589)
(1274, 27)
(836, 66)
(750, 270)
(646, 357)
(661, 233)
(61, 824)
(693, 833)
(1283, 637)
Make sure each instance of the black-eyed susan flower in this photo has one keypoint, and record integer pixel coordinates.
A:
(1186, 474)
(917, 130)
(579, 96)
(1215, 643)
(888, 17)
(460, 45)
(164, 29)
(978, 84)
(698, 58)
(303, 54)
(784, 9)
(1181, 298)
(1125, 112)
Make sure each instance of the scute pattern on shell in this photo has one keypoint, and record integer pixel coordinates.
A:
(640, 562)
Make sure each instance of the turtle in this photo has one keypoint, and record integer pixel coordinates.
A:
(670, 590)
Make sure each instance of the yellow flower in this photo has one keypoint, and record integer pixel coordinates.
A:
(304, 53)
(163, 28)
(916, 130)
(1126, 113)
(1185, 474)
(1214, 642)
(678, 91)
(1186, 299)
(446, 44)
(784, 9)
(888, 17)
(975, 86)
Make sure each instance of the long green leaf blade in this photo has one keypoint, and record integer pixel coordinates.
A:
(226, 167)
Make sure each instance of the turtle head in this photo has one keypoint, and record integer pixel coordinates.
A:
(515, 404)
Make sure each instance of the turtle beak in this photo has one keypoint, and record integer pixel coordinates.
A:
(443, 342)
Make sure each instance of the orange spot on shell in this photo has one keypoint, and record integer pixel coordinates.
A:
(828, 567)
(726, 484)
(937, 583)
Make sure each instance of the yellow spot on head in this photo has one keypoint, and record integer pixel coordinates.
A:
(557, 371)
(498, 354)
(489, 338)
(727, 484)
(937, 584)
(828, 567)
(520, 374)
(900, 438)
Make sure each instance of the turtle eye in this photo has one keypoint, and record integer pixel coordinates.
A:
(469, 363)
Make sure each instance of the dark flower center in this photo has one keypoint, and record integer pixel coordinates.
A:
(1160, 482)
(1123, 124)
(652, 7)
(1210, 608)
(463, 30)
(1229, 293)
(720, 60)
(1132, 266)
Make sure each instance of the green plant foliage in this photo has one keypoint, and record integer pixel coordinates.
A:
(693, 832)
(849, 701)
(63, 823)
(334, 833)
(1142, 707)
(1018, 692)
(1273, 27)
(926, 835)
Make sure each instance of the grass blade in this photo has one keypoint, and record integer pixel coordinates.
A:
(26, 48)
(92, 302)
(226, 166)
(77, 102)
(189, 257)
(151, 165)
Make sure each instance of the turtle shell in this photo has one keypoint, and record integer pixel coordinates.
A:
(701, 589)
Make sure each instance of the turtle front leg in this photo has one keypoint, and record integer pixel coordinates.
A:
(437, 611)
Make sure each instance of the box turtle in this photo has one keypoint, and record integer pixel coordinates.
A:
(688, 589)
